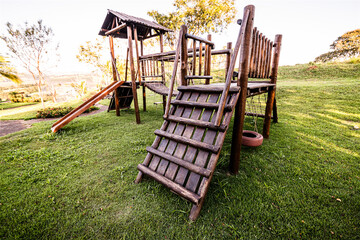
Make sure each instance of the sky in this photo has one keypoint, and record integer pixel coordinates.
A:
(308, 26)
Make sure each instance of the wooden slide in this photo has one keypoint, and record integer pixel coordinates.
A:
(86, 105)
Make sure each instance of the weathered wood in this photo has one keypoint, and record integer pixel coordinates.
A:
(173, 76)
(191, 142)
(252, 53)
(137, 53)
(184, 57)
(116, 29)
(256, 54)
(200, 57)
(240, 106)
(178, 189)
(126, 64)
(189, 166)
(207, 88)
(231, 68)
(198, 77)
(207, 81)
(132, 70)
(114, 69)
(196, 123)
(276, 57)
(275, 115)
(228, 57)
(270, 58)
(194, 58)
(207, 42)
(200, 105)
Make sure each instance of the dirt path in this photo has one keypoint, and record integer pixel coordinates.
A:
(11, 126)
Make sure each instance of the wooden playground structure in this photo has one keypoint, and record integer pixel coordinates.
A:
(187, 147)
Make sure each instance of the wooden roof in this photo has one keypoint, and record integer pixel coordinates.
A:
(145, 28)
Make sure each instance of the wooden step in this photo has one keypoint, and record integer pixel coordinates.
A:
(200, 104)
(180, 190)
(189, 166)
(208, 88)
(197, 77)
(196, 123)
(188, 141)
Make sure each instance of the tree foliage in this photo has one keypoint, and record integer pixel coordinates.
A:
(200, 16)
(7, 71)
(31, 46)
(344, 47)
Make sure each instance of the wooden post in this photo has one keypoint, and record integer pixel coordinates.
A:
(240, 106)
(132, 69)
(200, 57)
(126, 64)
(162, 68)
(208, 65)
(228, 57)
(117, 107)
(137, 54)
(271, 94)
(184, 56)
(143, 74)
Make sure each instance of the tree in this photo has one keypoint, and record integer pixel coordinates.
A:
(200, 16)
(7, 71)
(92, 53)
(31, 45)
(344, 47)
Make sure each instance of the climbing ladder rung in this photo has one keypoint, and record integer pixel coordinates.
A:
(200, 104)
(189, 166)
(197, 77)
(188, 141)
(180, 190)
(208, 88)
(196, 123)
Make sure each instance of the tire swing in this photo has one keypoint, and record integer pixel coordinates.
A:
(253, 138)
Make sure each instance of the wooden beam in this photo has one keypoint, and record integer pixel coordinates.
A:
(117, 106)
(137, 54)
(132, 69)
(116, 29)
(184, 57)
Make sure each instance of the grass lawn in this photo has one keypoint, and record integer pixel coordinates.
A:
(303, 182)
(7, 105)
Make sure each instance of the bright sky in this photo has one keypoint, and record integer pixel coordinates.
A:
(308, 26)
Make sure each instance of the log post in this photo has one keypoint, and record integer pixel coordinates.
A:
(271, 94)
(137, 54)
(162, 68)
(143, 74)
(132, 70)
(208, 65)
(228, 57)
(184, 56)
(117, 107)
(242, 82)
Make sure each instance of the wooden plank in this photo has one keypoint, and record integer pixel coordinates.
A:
(194, 58)
(184, 57)
(228, 57)
(200, 57)
(198, 104)
(208, 69)
(187, 132)
(184, 140)
(270, 58)
(256, 57)
(207, 88)
(192, 197)
(189, 166)
(178, 131)
(252, 53)
(196, 123)
(198, 135)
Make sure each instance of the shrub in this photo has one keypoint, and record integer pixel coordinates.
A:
(55, 112)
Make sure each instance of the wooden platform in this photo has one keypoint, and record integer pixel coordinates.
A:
(187, 147)
(159, 88)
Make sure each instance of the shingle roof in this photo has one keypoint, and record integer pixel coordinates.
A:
(143, 25)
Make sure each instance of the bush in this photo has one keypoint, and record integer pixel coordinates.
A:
(55, 112)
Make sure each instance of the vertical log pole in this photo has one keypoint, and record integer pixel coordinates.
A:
(162, 68)
(117, 107)
(228, 57)
(240, 106)
(132, 69)
(143, 74)
(271, 94)
(126, 64)
(208, 67)
(200, 57)
(137, 54)
(183, 56)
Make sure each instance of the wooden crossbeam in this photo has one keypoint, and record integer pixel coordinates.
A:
(196, 123)
(200, 104)
(188, 141)
(116, 29)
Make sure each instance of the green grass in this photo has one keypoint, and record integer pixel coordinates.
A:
(8, 105)
(303, 182)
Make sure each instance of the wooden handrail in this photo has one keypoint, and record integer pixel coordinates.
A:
(231, 69)
(172, 81)
(187, 35)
